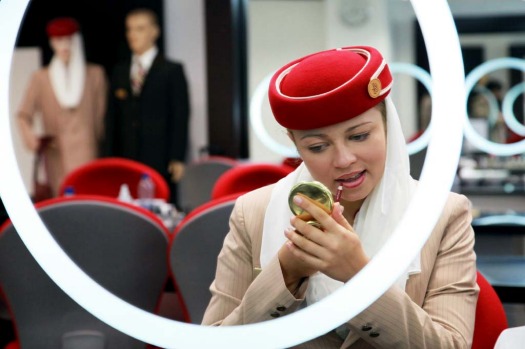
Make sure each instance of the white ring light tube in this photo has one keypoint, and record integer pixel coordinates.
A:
(493, 103)
(503, 219)
(424, 77)
(257, 123)
(508, 113)
(470, 133)
(438, 172)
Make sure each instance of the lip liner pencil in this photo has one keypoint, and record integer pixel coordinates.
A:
(338, 193)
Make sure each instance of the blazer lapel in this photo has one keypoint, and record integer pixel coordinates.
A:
(155, 66)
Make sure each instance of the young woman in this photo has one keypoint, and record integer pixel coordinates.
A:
(336, 109)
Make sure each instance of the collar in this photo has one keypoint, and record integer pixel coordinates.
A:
(146, 59)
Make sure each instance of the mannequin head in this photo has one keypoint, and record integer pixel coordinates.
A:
(142, 30)
(60, 32)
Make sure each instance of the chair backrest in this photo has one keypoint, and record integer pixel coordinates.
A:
(491, 318)
(104, 176)
(195, 187)
(417, 160)
(193, 253)
(247, 177)
(121, 247)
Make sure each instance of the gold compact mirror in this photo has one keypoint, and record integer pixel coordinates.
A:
(316, 192)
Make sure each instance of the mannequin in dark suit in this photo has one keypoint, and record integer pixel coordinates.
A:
(149, 122)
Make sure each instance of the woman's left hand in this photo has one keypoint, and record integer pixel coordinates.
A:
(335, 249)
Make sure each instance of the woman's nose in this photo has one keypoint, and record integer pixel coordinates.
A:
(344, 157)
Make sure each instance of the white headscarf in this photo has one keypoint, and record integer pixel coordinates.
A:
(375, 221)
(68, 80)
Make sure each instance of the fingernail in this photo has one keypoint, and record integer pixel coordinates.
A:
(297, 199)
(341, 209)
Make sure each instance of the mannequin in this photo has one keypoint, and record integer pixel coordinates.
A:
(70, 96)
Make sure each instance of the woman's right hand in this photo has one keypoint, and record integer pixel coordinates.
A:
(335, 249)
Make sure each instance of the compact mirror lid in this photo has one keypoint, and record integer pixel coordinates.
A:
(314, 190)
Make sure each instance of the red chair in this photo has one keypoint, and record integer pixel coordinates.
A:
(292, 161)
(491, 318)
(195, 186)
(193, 252)
(124, 249)
(244, 178)
(12, 345)
(105, 176)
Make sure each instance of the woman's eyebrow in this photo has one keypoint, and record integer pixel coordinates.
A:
(351, 128)
(314, 135)
(322, 135)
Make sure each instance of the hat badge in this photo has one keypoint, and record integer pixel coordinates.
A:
(374, 88)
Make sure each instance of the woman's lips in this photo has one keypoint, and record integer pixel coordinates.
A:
(352, 181)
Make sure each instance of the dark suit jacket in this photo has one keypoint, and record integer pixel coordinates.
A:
(153, 127)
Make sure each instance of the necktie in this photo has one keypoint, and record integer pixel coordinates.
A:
(137, 80)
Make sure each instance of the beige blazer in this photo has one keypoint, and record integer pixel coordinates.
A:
(436, 310)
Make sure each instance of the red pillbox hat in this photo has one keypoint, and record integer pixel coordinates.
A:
(329, 87)
(63, 26)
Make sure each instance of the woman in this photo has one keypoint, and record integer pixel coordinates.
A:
(70, 97)
(336, 108)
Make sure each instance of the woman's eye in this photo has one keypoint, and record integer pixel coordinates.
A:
(360, 137)
(316, 148)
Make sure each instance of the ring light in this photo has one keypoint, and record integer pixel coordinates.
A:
(438, 172)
